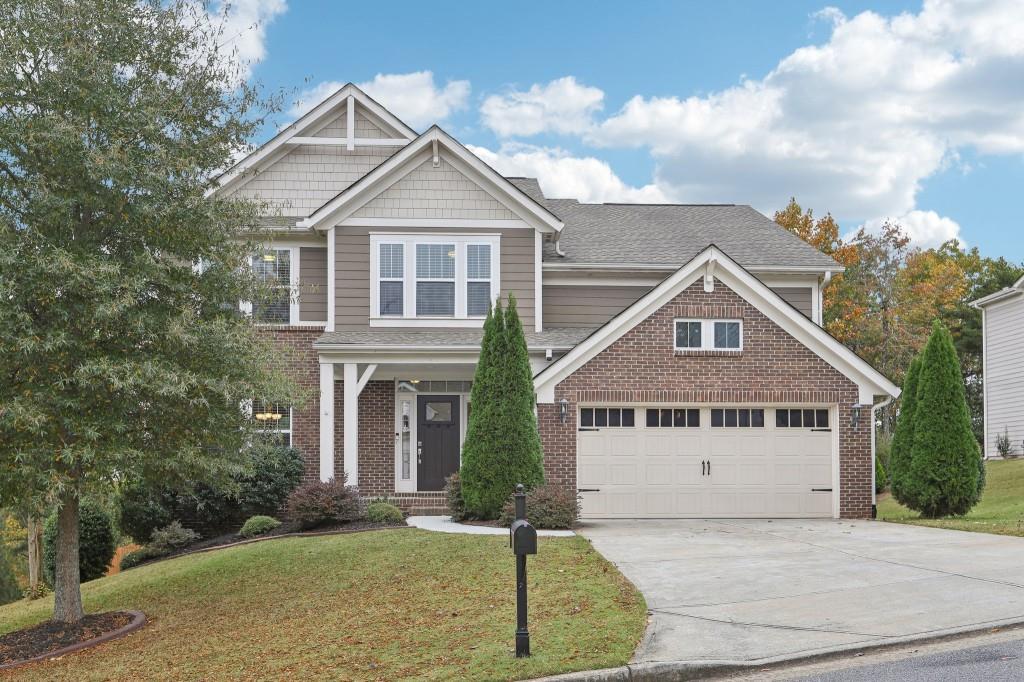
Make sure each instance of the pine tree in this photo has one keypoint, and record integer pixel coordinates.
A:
(903, 439)
(502, 447)
(943, 474)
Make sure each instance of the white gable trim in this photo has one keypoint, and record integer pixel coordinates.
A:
(1017, 288)
(415, 153)
(305, 126)
(869, 380)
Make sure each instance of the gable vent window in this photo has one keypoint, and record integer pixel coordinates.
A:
(418, 279)
(709, 335)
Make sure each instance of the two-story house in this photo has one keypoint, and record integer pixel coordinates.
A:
(1002, 321)
(681, 369)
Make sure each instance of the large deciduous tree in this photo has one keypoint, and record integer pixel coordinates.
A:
(122, 352)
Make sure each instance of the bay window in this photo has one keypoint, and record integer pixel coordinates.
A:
(419, 278)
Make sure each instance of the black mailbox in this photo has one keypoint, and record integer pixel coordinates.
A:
(523, 537)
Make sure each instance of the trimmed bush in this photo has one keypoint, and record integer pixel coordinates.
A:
(502, 446)
(143, 509)
(258, 525)
(903, 438)
(276, 471)
(140, 556)
(547, 506)
(96, 545)
(315, 504)
(172, 538)
(881, 477)
(382, 511)
(944, 466)
(453, 494)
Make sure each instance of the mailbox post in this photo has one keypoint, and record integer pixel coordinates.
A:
(523, 539)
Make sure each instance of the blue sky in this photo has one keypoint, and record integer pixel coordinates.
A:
(867, 109)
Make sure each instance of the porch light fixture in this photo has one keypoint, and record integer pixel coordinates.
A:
(563, 409)
(855, 415)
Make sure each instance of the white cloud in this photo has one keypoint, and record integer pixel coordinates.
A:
(412, 97)
(564, 176)
(925, 228)
(854, 125)
(561, 106)
(244, 24)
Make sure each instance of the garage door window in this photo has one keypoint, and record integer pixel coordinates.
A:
(739, 418)
(614, 417)
(677, 417)
(801, 418)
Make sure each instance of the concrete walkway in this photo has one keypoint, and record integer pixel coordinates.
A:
(749, 591)
(444, 524)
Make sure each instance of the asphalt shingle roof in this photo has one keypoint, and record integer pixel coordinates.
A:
(670, 234)
(549, 338)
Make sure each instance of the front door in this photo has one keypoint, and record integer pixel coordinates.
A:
(437, 429)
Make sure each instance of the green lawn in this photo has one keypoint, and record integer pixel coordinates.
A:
(1001, 509)
(380, 605)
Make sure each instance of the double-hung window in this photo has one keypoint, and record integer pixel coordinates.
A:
(707, 335)
(420, 278)
(273, 268)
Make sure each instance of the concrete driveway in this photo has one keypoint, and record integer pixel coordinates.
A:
(760, 591)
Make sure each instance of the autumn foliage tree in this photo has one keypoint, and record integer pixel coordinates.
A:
(123, 356)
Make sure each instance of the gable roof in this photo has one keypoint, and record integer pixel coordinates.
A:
(276, 147)
(714, 261)
(671, 234)
(1017, 288)
(387, 173)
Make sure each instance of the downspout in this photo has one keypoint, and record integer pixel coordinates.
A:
(874, 488)
(558, 246)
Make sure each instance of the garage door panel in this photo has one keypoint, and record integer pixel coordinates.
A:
(661, 471)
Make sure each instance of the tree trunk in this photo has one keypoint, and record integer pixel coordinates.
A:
(34, 527)
(67, 590)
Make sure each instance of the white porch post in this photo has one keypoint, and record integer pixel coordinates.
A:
(353, 386)
(326, 421)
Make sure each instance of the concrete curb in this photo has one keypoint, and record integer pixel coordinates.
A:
(138, 620)
(697, 670)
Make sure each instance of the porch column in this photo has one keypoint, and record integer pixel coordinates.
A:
(353, 386)
(326, 421)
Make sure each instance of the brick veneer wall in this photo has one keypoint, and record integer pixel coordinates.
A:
(773, 367)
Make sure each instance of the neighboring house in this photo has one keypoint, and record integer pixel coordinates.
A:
(681, 369)
(1002, 325)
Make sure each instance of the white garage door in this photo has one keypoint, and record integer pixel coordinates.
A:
(699, 462)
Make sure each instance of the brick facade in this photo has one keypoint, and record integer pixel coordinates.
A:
(773, 367)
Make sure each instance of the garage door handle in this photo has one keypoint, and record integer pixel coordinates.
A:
(828, 430)
(588, 490)
(588, 429)
(821, 490)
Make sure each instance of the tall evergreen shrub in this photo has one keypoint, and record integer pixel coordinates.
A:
(502, 446)
(944, 470)
(903, 439)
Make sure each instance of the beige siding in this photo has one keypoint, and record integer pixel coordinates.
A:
(313, 284)
(1004, 373)
(586, 306)
(352, 273)
(311, 175)
(428, 192)
(336, 127)
(798, 297)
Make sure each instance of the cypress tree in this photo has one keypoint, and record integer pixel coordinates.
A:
(521, 439)
(474, 473)
(903, 439)
(943, 474)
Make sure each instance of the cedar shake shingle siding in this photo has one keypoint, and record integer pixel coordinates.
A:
(643, 367)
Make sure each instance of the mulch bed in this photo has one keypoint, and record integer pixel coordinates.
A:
(50, 636)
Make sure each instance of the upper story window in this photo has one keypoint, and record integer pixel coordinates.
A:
(418, 279)
(274, 267)
(709, 335)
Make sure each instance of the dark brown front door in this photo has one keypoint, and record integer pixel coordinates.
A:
(437, 429)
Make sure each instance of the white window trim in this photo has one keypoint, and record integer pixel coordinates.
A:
(707, 334)
(294, 284)
(409, 318)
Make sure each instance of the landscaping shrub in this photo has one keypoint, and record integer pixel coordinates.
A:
(382, 511)
(314, 504)
(881, 476)
(944, 466)
(171, 538)
(258, 525)
(276, 471)
(547, 506)
(903, 438)
(1003, 444)
(143, 509)
(142, 555)
(502, 446)
(96, 545)
(453, 494)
